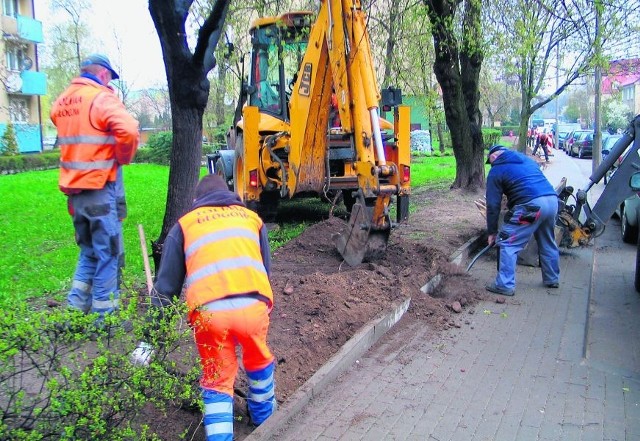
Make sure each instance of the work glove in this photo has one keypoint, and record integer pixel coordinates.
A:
(141, 355)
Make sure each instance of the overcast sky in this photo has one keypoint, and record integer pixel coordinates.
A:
(141, 56)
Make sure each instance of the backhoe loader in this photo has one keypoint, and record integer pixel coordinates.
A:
(308, 123)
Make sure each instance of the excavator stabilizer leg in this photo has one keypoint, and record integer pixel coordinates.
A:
(360, 242)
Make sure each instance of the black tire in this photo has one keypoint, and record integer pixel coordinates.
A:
(222, 172)
(629, 232)
(636, 282)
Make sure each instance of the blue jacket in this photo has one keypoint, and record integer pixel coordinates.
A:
(519, 178)
(172, 271)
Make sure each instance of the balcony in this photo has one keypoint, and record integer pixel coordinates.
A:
(27, 82)
(22, 28)
(33, 83)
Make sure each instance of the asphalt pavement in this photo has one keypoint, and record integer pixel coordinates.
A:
(548, 364)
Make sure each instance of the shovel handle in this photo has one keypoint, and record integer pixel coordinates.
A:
(145, 257)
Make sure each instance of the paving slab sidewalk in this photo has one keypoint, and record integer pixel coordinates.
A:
(513, 371)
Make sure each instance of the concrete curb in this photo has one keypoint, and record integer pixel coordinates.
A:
(347, 355)
(463, 254)
(340, 362)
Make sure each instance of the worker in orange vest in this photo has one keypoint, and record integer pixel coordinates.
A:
(220, 252)
(96, 136)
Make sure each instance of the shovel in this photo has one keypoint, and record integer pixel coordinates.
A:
(145, 257)
(482, 252)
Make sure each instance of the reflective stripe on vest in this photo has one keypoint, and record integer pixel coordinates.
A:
(222, 254)
(83, 139)
(93, 165)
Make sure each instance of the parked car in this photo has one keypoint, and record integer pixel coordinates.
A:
(582, 143)
(566, 146)
(627, 211)
(607, 144)
(561, 139)
(564, 130)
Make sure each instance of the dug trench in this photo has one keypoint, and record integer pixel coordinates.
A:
(321, 302)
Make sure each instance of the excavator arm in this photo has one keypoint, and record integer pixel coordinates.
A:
(338, 61)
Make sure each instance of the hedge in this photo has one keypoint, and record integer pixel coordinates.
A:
(506, 129)
(491, 137)
(28, 162)
(43, 161)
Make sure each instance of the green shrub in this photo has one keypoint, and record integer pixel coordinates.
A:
(9, 142)
(160, 145)
(207, 149)
(143, 156)
(28, 162)
(220, 135)
(506, 129)
(11, 164)
(60, 380)
(491, 137)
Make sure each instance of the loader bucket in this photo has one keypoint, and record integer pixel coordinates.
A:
(359, 242)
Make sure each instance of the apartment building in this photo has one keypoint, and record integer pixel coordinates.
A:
(623, 77)
(21, 85)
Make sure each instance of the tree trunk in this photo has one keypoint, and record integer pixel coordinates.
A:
(186, 156)
(461, 101)
(470, 65)
(220, 93)
(523, 140)
(188, 93)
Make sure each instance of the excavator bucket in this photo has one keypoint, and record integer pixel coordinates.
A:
(359, 242)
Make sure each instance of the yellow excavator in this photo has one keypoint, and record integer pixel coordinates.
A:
(308, 123)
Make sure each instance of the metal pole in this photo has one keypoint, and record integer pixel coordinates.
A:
(596, 150)
(557, 131)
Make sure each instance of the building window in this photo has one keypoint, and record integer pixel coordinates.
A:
(15, 58)
(10, 7)
(18, 110)
(627, 93)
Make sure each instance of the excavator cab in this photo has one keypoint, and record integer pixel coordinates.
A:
(277, 51)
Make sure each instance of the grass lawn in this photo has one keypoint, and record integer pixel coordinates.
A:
(38, 253)
(37, 248)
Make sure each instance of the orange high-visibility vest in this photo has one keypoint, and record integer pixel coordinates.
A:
(222, 254)
(88, 144)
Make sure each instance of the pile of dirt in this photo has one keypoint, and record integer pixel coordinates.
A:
(321, 302)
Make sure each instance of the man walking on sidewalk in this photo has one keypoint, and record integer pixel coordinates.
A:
(532, 210)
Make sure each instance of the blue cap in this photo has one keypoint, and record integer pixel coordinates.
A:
(494, 149)
(100, 60)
